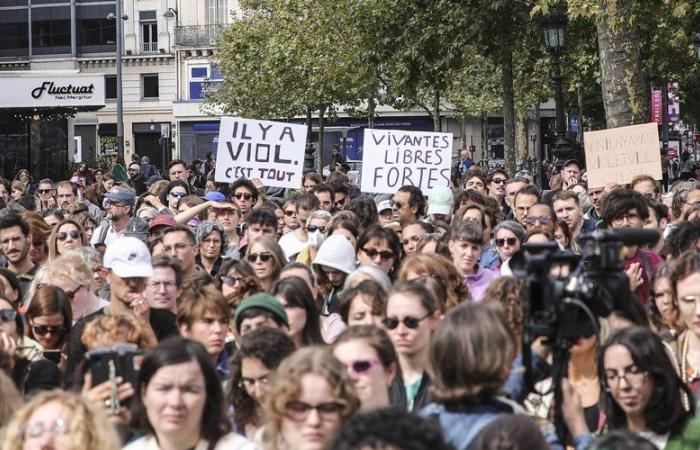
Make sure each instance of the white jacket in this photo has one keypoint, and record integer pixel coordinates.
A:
(231, 441)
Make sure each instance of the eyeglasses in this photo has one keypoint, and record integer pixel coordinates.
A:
(163, 284)
(631, 217)
(43, 330)
(178, 194)
(383, 254)
(633, 375)
(290, 213)
(241, 195)
(391, 323)
(314, 228)
(396, 205)
(38, 429)
(44, 191)
(362, 366)
(510, 241)
(250, 383)
(231, 281)
(7, 315)
(498, 180)
(62, 236)
(178, 247)
(542, 219)
(263, 256)
(299, 411)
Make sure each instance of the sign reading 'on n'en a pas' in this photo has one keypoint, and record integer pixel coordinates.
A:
(620, 154)
(270, 151)
(395, 158)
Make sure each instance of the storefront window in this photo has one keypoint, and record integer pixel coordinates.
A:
(51, 30)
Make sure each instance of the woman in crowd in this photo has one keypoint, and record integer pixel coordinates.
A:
(40, 231)
(368, 273)
(380, 247)
(12, 290)
(298, 302)
(26, 180)
(333, 263)
(412, 314)
(364, 304)
(67, 235)
(291, 222)
(370, 359)
(11, 400)
(434, 265)
(237, 281)
(258, 355)
(685, 277)
(538, 236)
(49, 319)
(60, 420)
(267, 259)
(508, 236)
(562, 235)
(643, 392)
(171, 195)
(465, 245)
(312, 395)
(663, 306)
(346, 224)
(88, 224)
(212, 242)
(181, 405)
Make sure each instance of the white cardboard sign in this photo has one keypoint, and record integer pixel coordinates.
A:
(395, 158)
(270, 151)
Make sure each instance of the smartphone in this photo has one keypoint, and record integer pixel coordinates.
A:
(121, 357)
(52, 355)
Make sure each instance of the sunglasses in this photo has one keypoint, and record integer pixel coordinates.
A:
(62, 236)
(264, 257)
(290, 213)
(542, 219)
(391, 323)
(7, 315)
(498, 180)
(241, 195)
(313, 228)
(509, 241)
(44, 191)
(43, 330)
(384, 254)
(178, 194)
(397, 205)
(362, 366)
(231, 281)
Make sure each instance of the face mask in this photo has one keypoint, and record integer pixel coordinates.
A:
(315, 238)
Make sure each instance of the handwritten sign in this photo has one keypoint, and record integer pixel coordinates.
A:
(395, 158)
(271, 151)
(620, 154)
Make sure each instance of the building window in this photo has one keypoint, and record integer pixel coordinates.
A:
(203, 79)
(96, 34)
(14, 29)
(110, 87)
(51, 30)
(217, 11)
(149, 86)
(149, 31)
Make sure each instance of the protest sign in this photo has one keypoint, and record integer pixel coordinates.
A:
(271, 151)
(395, 158)
(620, 154)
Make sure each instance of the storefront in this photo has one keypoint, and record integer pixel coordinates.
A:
(36, 119)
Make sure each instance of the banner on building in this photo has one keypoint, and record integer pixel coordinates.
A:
(619, 154)
(45, 89)
(270, 151)
(674, 104)
(656, 107)
(395, 158)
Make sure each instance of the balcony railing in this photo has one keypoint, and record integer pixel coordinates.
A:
(197, 35)
(149, 47)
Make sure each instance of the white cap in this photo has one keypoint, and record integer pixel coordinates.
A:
(440, 200)
(384, 205)
(128, 257)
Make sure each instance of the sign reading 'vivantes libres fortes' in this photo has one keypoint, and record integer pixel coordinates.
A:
(42, 89)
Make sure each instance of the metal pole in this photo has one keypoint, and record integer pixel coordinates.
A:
(120, 104)
(560, 144)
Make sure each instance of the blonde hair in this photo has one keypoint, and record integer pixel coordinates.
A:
(53, 241)
(71, 266)
(287, 387)
(11, 399)
(114, 328)
(88, 427)
(435, 265)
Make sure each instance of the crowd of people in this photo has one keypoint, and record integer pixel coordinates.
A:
(169, 311)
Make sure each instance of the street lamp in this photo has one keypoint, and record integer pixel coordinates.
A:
(118, 63)
(554, 27)
(170, 14)
(696, 42)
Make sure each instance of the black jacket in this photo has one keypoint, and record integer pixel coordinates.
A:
(397, 393)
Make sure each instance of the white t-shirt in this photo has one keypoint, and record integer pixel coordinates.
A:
(291, 245)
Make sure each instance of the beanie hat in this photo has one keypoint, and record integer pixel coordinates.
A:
(261, 301)
(337, 253)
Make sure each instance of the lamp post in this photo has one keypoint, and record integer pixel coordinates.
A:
(119, 18)
(554, 27)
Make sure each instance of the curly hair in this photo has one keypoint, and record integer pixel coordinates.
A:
(270, 347)
(110, 329)
(88, 427)
(507, 291)
(287, 387)
(435, 265)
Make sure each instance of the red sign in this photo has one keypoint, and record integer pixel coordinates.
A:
(656, 107)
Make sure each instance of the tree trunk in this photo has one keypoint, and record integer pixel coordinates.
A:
(309, 155)
(579, 101)
(521, 136)
(321, 126)
(371, 107)
(624, 92)
(508, 111)
(437, 119)
(484, 121)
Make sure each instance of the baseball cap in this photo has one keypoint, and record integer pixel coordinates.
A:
(384, 205)
(128, 257)
(261, 301)
(121, 194)
(440, 200)
(215, 196)
(164, 220)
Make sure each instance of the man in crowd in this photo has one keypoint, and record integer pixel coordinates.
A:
(326, 196)
(119, 204)
(539, 215)
(67, 193)
(180, 242)
(526, 197)
(15, 241)
(165, 285)
(595, 194)
(245, 194)
(177, 170)
(567, 207)
(409, 205)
